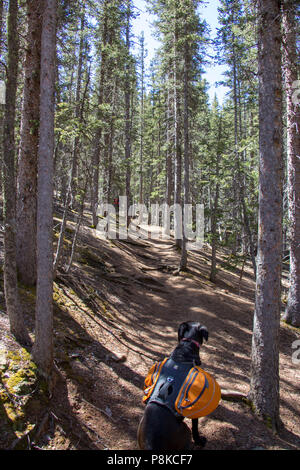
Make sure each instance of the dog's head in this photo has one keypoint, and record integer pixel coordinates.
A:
(192, 330)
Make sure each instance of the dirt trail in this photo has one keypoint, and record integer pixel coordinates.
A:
(118, 312)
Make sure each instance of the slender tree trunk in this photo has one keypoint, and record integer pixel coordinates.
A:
(240, 173)
(235, 182)
(110, 142)
(159, 137)
(292, 313)
(1, 25)
(109, 98)
(60, 243)
(248, 228)
(59, 154)
(78, 114)
(264, 386)
(169, 176)
(98, 135)
(128, 108)
(43, 346)
(186, 180)
(68, 193)
(214, 219)
(95, 178)
(1, 103)
(177, 149)
(141, 184)
(13, 307)
(27, 164)
(79, 220)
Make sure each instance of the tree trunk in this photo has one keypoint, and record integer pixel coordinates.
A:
(248, 228)
(239, 181)
(214, 218)
(264, 386)
(60, 243)
(1, 103)
(141, 183)
(292, 313)
(169, 176)
(128, 107)
(97, 144)
(235, 181)
(1, 25)
(177, 149)
(78, 114)
(71, 191)
(110, 174)
(27, 164)
(13, 308)
(43, 346)
(186, 179)
(79, 220)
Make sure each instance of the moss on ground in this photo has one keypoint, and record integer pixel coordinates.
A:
(19, 385)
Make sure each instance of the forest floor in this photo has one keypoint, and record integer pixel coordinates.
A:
(117, 312)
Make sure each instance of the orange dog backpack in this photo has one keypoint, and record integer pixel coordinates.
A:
(187, 391)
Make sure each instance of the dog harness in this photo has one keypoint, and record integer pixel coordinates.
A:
(187, 390)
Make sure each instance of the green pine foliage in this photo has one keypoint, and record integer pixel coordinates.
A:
(222, 137)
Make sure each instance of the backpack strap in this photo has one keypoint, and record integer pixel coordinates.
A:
(168, 378)
(152, 379)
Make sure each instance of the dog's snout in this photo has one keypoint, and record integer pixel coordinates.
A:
(203, 333)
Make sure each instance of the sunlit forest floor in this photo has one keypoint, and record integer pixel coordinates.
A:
(115, 313)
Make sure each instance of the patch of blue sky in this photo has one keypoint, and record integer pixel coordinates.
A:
(213, 73)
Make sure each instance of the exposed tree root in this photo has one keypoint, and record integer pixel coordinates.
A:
(232, 395)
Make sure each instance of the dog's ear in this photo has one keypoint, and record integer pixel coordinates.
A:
(203, 333)
(183, 327)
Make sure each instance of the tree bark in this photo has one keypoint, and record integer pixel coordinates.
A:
(43, 346)
(264, 385)
(27, 164)
(98, 135)
(78, 114)
(236, 174)
(1, 111)
(13, 307)
(73, 183)
(292, 313)
(127, 106)
(79, 220)
(111, 149)
(141, 172)
(177, 148)
(186, 178)
(169, 175)
(214, 218)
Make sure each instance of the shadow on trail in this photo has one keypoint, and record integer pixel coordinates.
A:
(145, 322)
(87, 370)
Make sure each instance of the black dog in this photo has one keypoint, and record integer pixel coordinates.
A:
(160, 429)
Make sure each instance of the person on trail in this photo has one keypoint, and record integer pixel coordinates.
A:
(116, 203)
